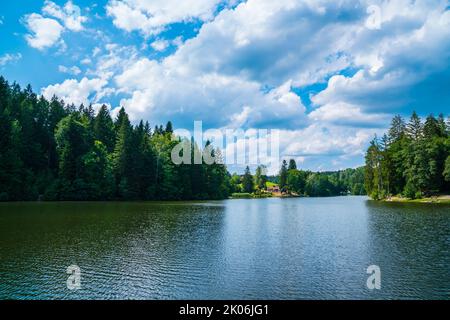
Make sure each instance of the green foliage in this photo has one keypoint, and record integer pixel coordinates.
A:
(296, 181)
(261, 178)
(104, 129)
(283, 176)
(247, 181)
(235, 183)
(292, 165)
(53, 151)
(411, 160)
(323, 184)
(447, 169)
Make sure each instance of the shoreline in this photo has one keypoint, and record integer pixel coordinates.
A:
(443, 199)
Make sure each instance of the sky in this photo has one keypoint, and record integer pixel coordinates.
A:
(328, 74)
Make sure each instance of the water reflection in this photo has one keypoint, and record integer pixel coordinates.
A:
(239, 249)
(410, 242)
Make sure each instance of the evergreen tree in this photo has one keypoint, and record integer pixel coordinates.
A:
(97, 173)
(72, 139)
(104, 128)
(296, 181)
(397, 130)
(247, 181)
(292, 165)
(410, 161)
(169, 128)
(122, 157)
(261, 178)
(283, 176)
(446, 172)
(414, 128)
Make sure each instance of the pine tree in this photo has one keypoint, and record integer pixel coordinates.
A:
(247, 181)
(169, 128)
(431, 128)
(261, 178)
(397, 130)
(53, 151)
(97, 173)
(414, 128)
(283, 176)
(72, 143)
(104, 128)
(373, 180)
(292, 165)
(446, 172)
(121, 157)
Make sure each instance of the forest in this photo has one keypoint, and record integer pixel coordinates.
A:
(412, 160)
(294, 181)
(53, 151)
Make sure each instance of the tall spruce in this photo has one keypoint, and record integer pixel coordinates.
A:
(283, 175)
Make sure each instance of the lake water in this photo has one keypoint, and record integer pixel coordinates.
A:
(309, 248)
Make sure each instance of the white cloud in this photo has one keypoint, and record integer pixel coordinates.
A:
(248, 67)
(221, 76)
(342, 113)
(86, 61)
(45, 32)
(162, 92)
(274, 41)
(46, 28)
(396, 64)
(160, 45)
(77, 92)
(152, 16)
(70, 14)
(96, 51)
(72, 70)
(327, 147)
(97, 106)
(178, 41)
(8, 58)
(411, 48)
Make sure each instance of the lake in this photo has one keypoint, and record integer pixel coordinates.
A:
(302, 248)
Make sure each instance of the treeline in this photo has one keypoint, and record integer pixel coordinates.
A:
(53, 151)
(411, 160)
(291, 180)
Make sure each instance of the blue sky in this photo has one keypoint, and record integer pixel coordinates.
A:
(328, 74)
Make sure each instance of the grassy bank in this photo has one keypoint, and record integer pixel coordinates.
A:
(262, 195)
(445, 199)
(250, 195)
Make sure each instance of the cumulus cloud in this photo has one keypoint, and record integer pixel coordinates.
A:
(46, 28)
(70, 14)
(80, 92)
(324, 146)
(273, 41)
(253, 65)
(402, 60)
(342, 113)
(45, 32)
(159, 91)
(152, 16)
